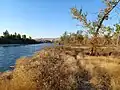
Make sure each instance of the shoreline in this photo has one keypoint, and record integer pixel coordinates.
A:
(65, 68)
(12, 56)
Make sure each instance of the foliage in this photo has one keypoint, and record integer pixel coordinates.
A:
(15, 38)
(7, 35)
(72, 38)
(95, 26)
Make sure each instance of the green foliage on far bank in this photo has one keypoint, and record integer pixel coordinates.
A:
(15, 38)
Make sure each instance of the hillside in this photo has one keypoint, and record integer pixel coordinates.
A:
(46, 39)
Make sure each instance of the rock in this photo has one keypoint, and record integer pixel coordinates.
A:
(12, 67)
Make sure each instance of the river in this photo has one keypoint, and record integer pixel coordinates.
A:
(10, 53)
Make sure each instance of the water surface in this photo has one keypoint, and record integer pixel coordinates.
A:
(9, 53)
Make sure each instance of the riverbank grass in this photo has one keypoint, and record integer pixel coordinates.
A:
(55, 68)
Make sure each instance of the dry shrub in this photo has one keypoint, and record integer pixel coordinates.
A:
(49, 69)
(101, 79)
(56, 69)
(104, 71)
(5, 80)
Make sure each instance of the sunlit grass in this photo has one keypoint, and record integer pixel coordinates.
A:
(53, 69)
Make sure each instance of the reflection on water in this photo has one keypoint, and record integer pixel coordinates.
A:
(9, 53)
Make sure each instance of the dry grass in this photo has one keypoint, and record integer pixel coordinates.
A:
(56, 69)
(103, 69)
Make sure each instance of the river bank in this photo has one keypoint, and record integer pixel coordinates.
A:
(61, 68)
(10, 52)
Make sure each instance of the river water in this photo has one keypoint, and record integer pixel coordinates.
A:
(9, 53)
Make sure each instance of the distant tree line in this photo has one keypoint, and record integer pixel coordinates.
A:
(15, 38)
(73, 38)
(109, 35)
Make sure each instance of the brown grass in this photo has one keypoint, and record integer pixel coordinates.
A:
(58, 69)
(104, 70)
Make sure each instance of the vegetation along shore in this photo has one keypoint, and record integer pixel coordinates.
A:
(88, 59)
(15, 38)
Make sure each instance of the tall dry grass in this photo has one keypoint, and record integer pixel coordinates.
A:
(56, 69)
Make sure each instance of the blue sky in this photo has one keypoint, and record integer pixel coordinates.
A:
(44, 18)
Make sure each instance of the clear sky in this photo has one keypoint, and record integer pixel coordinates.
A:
(44, 18)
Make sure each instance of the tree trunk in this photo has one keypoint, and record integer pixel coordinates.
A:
(118, 38)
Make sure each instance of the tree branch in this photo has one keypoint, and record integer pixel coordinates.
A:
(103, 18)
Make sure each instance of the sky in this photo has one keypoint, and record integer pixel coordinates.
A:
(45, 18)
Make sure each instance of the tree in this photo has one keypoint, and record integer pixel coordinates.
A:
(15, 35)
(72, 38)
(79, 36)
(19, 36)
(65, 38)
(24, 36)
(95, 26)
(117, 33)
(6, 34)
(30, 37)
(108, 33)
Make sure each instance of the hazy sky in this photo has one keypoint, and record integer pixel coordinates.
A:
(44, 18)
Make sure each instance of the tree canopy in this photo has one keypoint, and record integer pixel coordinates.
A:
(95, 26)
(16, 38)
